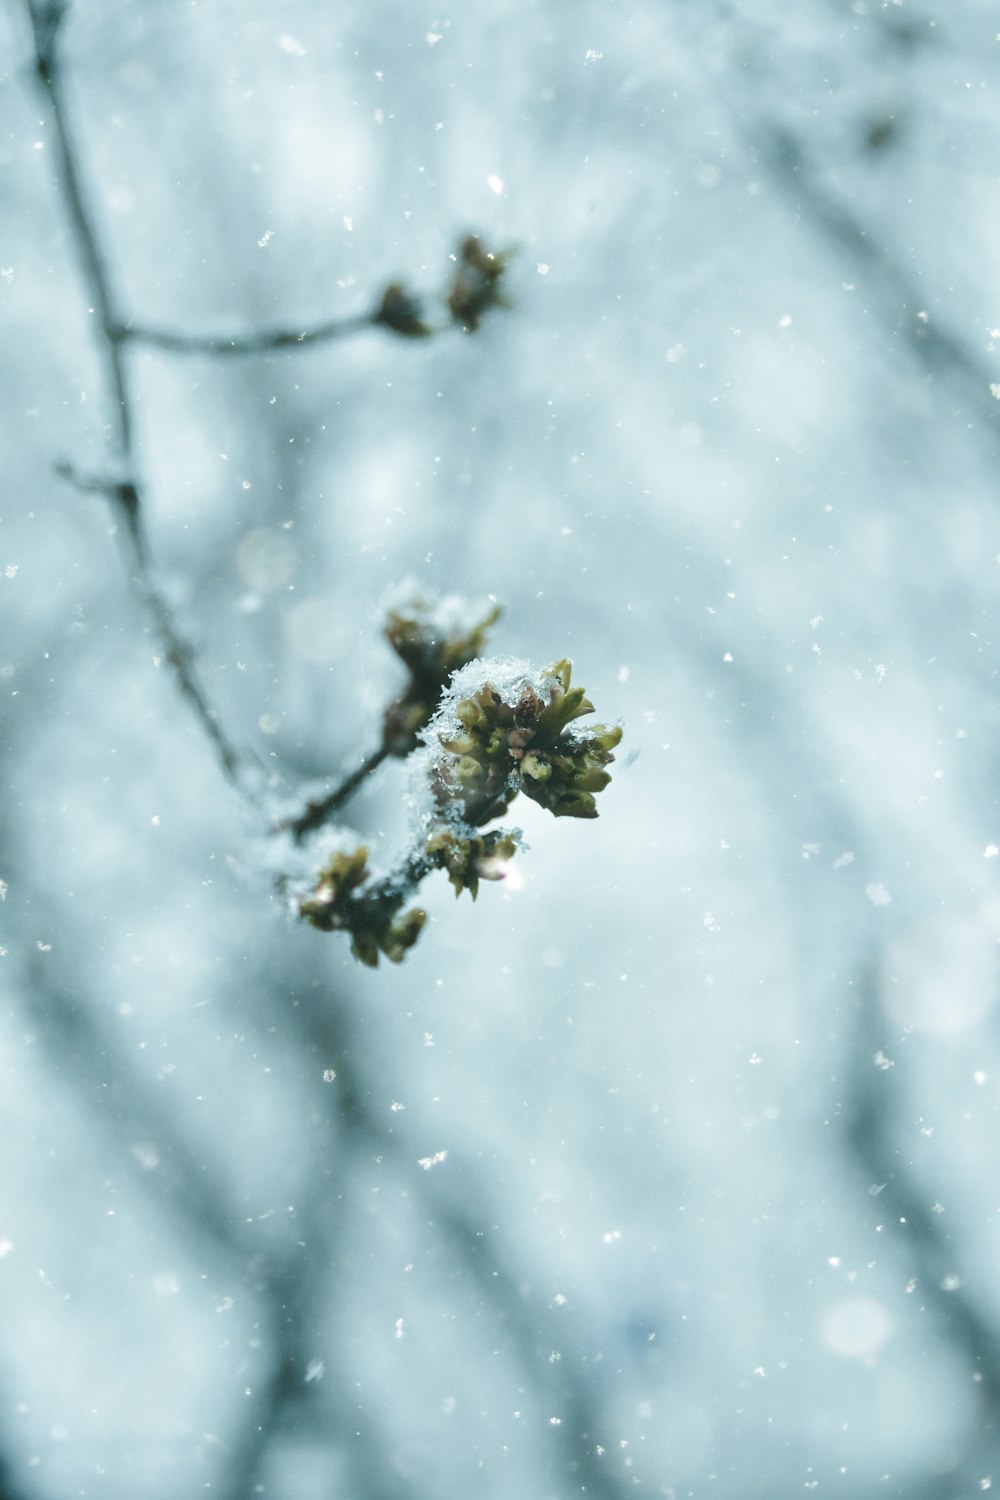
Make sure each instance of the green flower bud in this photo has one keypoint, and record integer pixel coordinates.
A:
(535, 768)
(462, 744)
(605, 740)
(469, 771)
(497, 745)
(573, 804)
(591, 779)
(470, 714)
(565, 703)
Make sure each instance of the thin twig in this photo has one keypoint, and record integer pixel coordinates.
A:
(316, 814)
(251, 343)
(46, 24)
(124, 493)
(398, 312)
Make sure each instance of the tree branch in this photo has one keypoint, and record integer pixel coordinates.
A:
(315, 814)
(251, 343)
(475, 287)
(124, 491)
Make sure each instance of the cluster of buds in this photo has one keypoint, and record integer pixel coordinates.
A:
(474, 288)
(431, 651)
(345, 900)
(468, 860)
(562, 768)
(496, 745)
(499, 729)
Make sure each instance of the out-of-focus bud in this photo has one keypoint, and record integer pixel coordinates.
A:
(402, 933)
(329, 901)
(401, 312)
(475, 286)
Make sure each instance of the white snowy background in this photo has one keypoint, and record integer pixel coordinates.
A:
(716, 1076)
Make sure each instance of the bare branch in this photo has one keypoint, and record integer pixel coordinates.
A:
(264, 342)
(46, 22)
(124, 492)
(178, 652)
(475, 288)
(316, 814)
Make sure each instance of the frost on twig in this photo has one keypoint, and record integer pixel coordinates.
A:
(500, 729)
